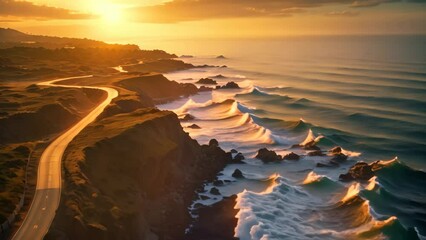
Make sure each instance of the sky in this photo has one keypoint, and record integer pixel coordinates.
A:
(121, 20)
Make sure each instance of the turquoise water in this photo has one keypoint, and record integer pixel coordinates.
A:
(365, 94)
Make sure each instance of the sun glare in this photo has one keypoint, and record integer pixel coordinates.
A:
(108, 12)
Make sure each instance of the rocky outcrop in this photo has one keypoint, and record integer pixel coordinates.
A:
(160, 66)
(361, 171)
(134, 179)
(237, 173)
(291, 156)
(229, 85)
(268, 156)
(215, 222)
(206, 81)
(158, 87)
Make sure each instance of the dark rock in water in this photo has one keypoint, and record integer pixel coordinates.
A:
(204, 197)
(340, 157)
(237, 173)
(291, 156)
(223, 66)
(221, 57)
(316, 153)
(205, 89)
(239, 157)
(218, 76)
(194, 126)
(214, 191)
(215, 222)
(267, 155)
(310, 146)
(187, 117)
(198, 205)
(227, 181)
(213, 143)
(186, 56)
(206, 81)
(229, 85)
(335, 150)
(322, 165)
(361, 171)
(234, 151)
(218, 183)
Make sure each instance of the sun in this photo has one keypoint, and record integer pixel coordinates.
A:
(108, 12)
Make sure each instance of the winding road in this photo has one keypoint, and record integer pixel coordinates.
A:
(48, 191)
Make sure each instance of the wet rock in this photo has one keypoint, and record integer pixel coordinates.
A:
(237, 173)
(221, 57)
(218, 76)
(229, 85)
(206, 81)
(213, 143)
(194, 126)
(204, 197)
(316, 153)
(214, 191)
(187, 117)
(335, 150)
(291, 156)
(361, 171)
(268, 155)
(218, 183)
(340, 157)
(205, 89)
(198, 205)
(234, 151)
(239, 157)
(310, 146)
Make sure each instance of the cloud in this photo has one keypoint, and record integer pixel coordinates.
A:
(191, 10)
(30, 10)
(343, 13)
(370, 3)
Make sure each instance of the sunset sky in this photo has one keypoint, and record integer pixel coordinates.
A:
(114, 20)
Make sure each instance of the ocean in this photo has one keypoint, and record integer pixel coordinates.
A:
(366, 94)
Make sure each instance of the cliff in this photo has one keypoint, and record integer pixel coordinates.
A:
(157, 87)
(132, 176)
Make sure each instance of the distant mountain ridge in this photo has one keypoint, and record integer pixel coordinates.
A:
(14, 38)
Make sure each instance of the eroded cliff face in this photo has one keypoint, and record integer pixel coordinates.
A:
(132, 176)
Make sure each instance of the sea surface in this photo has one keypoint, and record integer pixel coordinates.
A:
(365, 94)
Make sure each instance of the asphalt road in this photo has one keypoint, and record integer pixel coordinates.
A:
(48, 191)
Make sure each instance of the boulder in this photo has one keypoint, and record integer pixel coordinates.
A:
(218, 76)
(204, 89)
(204, 197)
(187, 117)
(361, 171)
(214, 191)
(237, 173)
(229, 85)
(335, 150)
(234, 151)
(218, 182)
(267, 155)
(206, 81)
(239, 157)
(221, 57)
(316, 153)
(340, 157)
(194, 126)
(291, 156)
